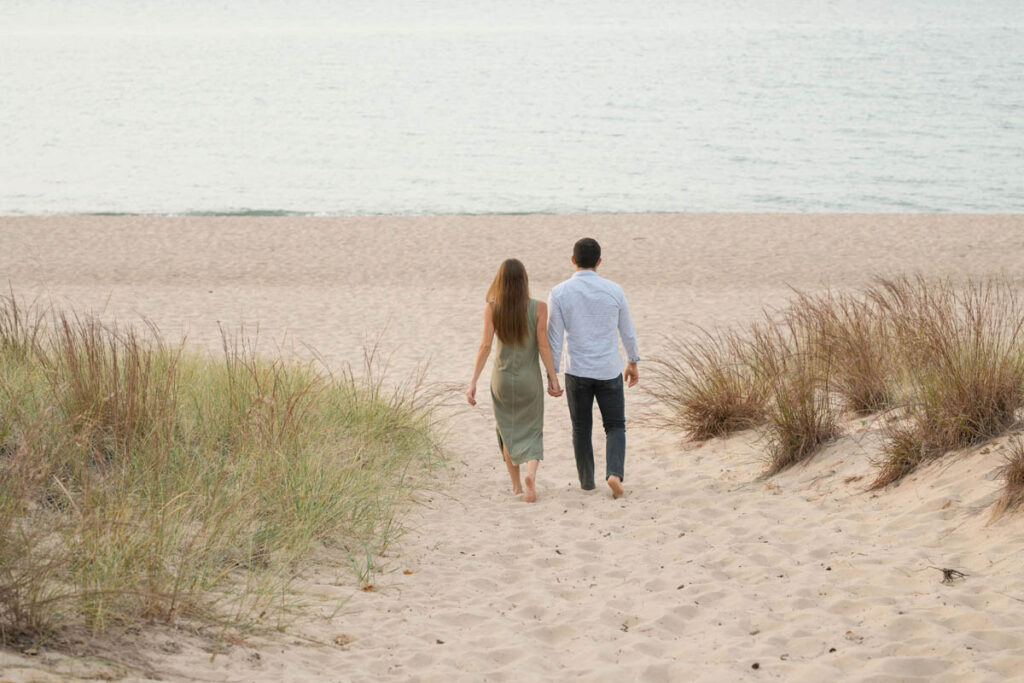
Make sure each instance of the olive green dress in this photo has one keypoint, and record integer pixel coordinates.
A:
(517, 394)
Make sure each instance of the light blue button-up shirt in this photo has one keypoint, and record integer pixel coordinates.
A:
(590, 313)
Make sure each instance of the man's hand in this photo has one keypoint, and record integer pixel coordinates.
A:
(632, 374)
(554, 388)
(471, 394)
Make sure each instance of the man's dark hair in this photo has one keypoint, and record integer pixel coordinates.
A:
(586, 252)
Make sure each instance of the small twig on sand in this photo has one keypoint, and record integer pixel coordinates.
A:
(950, 576)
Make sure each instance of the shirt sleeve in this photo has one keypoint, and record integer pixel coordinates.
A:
(628, 332)
(556, 330)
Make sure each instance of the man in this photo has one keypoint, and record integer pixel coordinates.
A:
(592, 313)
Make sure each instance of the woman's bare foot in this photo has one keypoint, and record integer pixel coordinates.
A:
(615, 484)
(513, 473)
(531, 491)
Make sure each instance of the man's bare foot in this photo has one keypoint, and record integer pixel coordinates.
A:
(531, 491)
(615, 484)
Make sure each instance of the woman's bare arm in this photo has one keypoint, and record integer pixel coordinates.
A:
(481, 354)
(554, 388)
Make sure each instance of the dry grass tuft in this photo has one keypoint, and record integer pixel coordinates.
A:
(800, 414)
(853, 333)
(1012, 471)
(20, 328)
(707, 386)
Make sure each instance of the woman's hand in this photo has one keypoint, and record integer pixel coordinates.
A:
(471, 394)
(554, 388)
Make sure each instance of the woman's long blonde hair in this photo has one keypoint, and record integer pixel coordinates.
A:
(509, 296)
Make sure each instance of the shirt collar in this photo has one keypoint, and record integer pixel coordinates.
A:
(585, 273)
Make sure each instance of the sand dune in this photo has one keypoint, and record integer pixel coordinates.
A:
(701, 572)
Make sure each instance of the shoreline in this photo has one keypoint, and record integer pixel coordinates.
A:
(287, 213)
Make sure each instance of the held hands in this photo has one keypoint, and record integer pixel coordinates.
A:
(631, 375)
(553, 388)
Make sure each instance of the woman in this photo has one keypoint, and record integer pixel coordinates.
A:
(516, 389)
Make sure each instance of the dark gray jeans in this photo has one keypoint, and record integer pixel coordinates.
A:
(580, 393)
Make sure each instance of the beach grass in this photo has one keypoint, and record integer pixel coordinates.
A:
(943, 360)
(707, 385)
(800, 413)
(1012, 470)
(143, 480)
(961, 352)
(857, 339)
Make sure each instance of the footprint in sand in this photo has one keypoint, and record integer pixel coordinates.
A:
(552, 634)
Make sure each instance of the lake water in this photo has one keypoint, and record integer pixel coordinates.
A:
(407, 107)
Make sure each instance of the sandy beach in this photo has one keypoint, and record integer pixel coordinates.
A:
(701, 572)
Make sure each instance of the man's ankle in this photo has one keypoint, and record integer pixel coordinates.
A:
(615, 484)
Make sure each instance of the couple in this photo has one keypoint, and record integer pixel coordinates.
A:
(590, 312)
